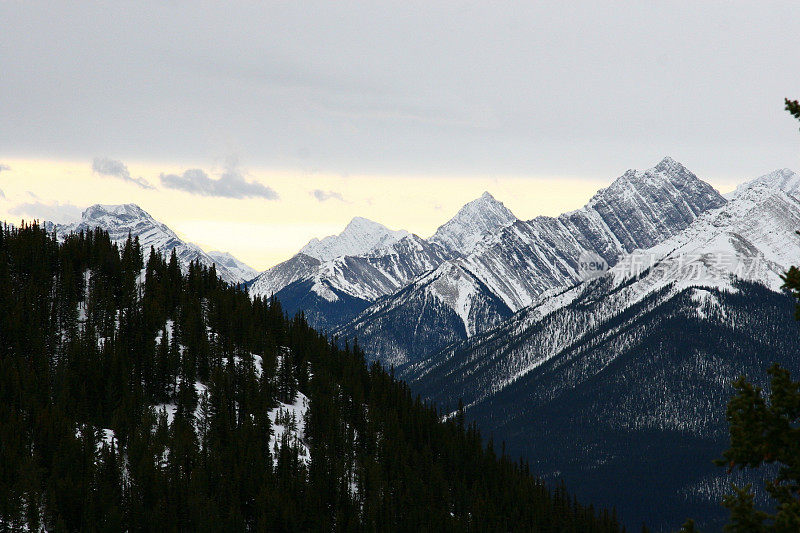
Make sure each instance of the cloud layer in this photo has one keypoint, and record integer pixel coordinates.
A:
(417, 88)
(230, 185)
(4, 167)
(322, 196)
(117, 169)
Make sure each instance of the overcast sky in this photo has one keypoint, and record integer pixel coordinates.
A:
(541, 90)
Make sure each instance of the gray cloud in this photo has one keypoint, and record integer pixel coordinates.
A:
(428, 88)
(4, 167)
(54, 212)
(231, 184)
(322, 196)
(2, 194)
(117, 169)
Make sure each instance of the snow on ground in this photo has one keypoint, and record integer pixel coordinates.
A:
(169, 408)
(705, 301)
(289, 420)
(170, 328)
(107, 437)
(258, 362)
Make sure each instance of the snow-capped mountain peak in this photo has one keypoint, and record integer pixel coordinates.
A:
(783, 179)
(668, 173)
(119, 221)
(359, 237)
(130, 219)
(472, 223)
(98, 210)
(670, 165)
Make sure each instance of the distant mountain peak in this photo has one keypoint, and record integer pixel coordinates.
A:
(668, 174)
(783, 179)
(668, 164)
(359, 237)
(361, 223)
(668, 168)
(122, 220)
(472, 223)
(239, 268)
(129, 210)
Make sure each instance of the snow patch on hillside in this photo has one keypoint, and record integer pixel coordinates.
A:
(288, 425)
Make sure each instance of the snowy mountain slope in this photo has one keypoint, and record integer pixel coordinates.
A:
(300, 266)
(441, 307)
(638, 210)
(332, 292)
(523, 260)
(644, 401)
(784, 179)
(324, 305)
(367, 277)
(121, 220)
(368, 261)
(471, 224)
(359, 237)
(751, 238)
(240, 269)
(643, 354)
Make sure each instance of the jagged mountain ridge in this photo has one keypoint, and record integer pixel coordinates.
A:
(379, 264)
(751, 238)
(471, 224)
(523, 260)
(784, 179)
(130, 219)
(586, 380)
(378, 272)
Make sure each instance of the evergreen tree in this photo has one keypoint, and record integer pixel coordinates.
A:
(793, 107)
(765, 430)
(194, 379)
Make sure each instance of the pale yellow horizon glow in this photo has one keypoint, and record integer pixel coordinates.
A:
(264, 232)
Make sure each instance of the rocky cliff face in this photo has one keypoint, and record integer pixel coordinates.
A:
(633, 369)
(473, 222)
(519, 262)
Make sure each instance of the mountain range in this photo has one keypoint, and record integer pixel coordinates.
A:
(333, 291)
(619, 384)
(511, 266)
(615, 380)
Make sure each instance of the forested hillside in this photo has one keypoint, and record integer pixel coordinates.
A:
(135, 397)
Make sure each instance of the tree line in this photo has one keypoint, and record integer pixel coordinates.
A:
(138, 395)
